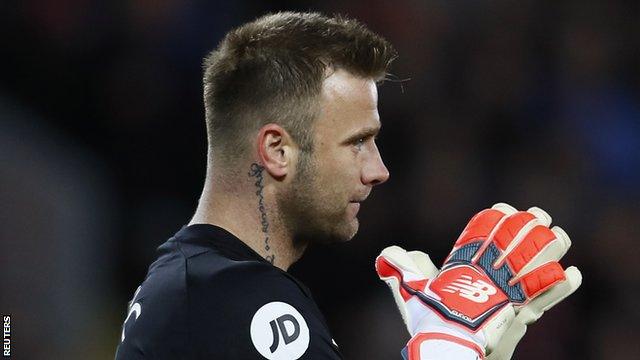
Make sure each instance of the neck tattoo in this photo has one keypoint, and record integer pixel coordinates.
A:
(256, 172)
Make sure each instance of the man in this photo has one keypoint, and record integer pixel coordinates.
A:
(291, 110)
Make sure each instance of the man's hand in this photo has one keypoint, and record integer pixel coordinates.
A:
(501, 275)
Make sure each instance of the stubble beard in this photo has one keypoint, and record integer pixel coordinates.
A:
(311, 211)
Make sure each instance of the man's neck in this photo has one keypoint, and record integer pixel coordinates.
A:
(251, 215)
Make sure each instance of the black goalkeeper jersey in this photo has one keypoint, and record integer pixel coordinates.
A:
(210, 296)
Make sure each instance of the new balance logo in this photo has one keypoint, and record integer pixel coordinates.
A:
(476, 291)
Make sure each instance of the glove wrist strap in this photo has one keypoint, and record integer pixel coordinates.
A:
(419, 348)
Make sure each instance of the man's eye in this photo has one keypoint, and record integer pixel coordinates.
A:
(360, 142)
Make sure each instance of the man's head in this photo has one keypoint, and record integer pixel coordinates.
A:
(295, 93)
(324, 198)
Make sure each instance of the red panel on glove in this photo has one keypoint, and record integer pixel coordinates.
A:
(530, 246)
(542, 278)
(480, 226)
(510, 228)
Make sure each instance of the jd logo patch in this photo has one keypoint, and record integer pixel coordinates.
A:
(279, 332)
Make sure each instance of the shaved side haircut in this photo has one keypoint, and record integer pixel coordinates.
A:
(271, 70)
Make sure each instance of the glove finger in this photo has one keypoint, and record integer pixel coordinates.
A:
(479, 228)
(509, 233)
(542, 215)
(400, 296)
(424, 264)
(562, 237)
(519, 244)
(539, 246)
(394, 266)
(401, 263)
(573, 282)
(536, 307)
(504, 208)
(541, 279)
(477, 231)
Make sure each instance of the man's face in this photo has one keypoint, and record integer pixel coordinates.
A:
(322, 203)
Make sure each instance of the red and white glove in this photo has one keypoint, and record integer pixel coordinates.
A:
(501, 275)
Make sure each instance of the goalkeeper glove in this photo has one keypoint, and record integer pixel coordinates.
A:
(501, 275)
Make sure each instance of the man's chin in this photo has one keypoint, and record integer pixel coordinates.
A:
(346, 232)
(355, 225)
(338, 234)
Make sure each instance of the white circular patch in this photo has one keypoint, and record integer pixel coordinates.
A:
(279, 332)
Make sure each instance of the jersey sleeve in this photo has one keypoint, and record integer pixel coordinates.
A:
(253, 311)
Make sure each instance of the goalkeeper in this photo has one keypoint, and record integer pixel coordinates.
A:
(291, 116)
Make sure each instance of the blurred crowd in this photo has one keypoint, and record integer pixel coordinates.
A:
(103, 149)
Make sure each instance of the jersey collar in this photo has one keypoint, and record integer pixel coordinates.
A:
(223, 241)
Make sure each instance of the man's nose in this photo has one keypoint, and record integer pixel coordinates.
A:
(374, 171)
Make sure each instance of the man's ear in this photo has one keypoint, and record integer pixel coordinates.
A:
(276, 150)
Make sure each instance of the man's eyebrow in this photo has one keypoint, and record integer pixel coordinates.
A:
(364, 133)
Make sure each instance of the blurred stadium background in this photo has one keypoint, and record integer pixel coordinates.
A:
(102, 146)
